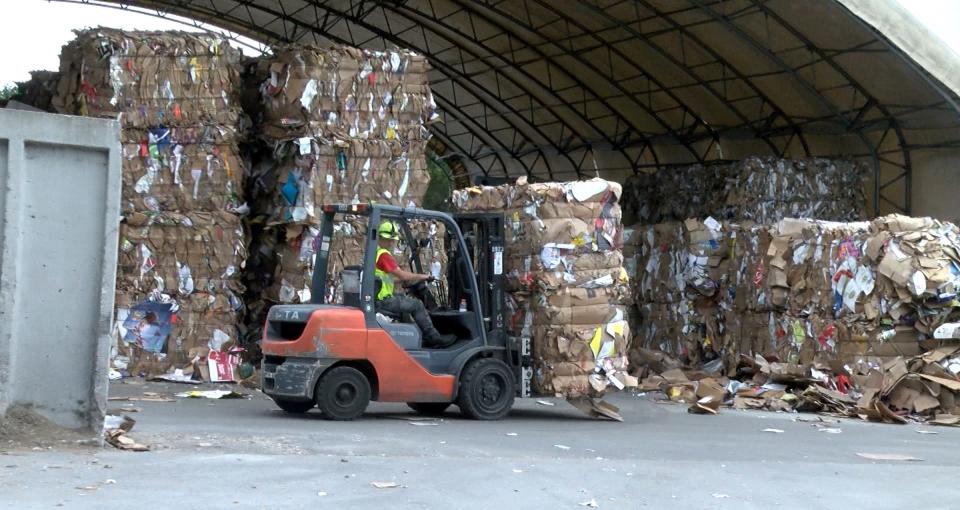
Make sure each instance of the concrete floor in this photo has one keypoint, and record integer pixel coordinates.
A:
(245, 454)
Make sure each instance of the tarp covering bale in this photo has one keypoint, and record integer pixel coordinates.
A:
(567, 284)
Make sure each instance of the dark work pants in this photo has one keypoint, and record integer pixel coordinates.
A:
(413, 306)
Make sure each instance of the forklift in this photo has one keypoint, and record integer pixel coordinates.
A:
(340, 356)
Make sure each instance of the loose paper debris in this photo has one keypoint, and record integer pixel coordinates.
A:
(115, 431)
(888, 456)
(385, 485)
(211, 394)
(596, 408)
(775, 431)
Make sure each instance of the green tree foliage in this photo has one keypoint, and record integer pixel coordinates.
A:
(440, 189)
(9, 91)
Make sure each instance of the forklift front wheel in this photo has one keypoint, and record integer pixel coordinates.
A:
(343, 393)
(486, 389)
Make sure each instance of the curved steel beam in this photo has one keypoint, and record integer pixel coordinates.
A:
(699, 79)
(598, 97)
(187, 22)
(786, 68)
(563, 13)
(901, 140)
(448, 141)
(477, 131)
(428, 20)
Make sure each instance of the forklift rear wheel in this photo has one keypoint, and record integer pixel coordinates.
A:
(294, 406)
(486, 389)
(343, 393)
(429, 408)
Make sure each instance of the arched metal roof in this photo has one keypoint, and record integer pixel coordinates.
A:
(563, 89)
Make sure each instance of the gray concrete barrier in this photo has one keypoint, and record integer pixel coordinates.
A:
(59, 213)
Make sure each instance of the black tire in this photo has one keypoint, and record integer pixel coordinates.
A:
(294, 406)
(486, 389)
(429, 408)
(343, 393)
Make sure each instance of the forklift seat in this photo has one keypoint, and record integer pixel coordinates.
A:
(408, 336)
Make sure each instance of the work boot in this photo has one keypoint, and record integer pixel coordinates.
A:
(442, 341)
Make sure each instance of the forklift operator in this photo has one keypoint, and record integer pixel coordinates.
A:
(387, 271)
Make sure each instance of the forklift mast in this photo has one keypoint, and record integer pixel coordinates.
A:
(483, 236)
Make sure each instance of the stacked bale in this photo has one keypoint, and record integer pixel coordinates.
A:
(760, 189)
(564, 273)
(342, 125)
(799, 290)
(766, 190)
(695, 191)
(181, 241)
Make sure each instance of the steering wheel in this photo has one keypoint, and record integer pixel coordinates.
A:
(423, 293)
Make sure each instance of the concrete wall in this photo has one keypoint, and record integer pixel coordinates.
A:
(936, 184)
(59, 212)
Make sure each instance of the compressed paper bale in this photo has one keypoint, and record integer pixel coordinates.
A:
(146, 79)
(803, 290)
(763, 189)
(564, 271)
(196, 321)
(181, 177)
(192, 261)
(342, 171)
(524, 266)
(346, 92)
(181, 253)
(576, 315)
(565, 353)
(547, 210)
(548, 281)
(579, 233)
(175, 95)
(568, 297)
(676, 193)
(768, 189)
(523, 195)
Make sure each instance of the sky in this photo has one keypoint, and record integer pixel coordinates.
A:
(32, 38)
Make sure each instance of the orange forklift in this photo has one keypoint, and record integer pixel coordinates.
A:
(338, 356)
